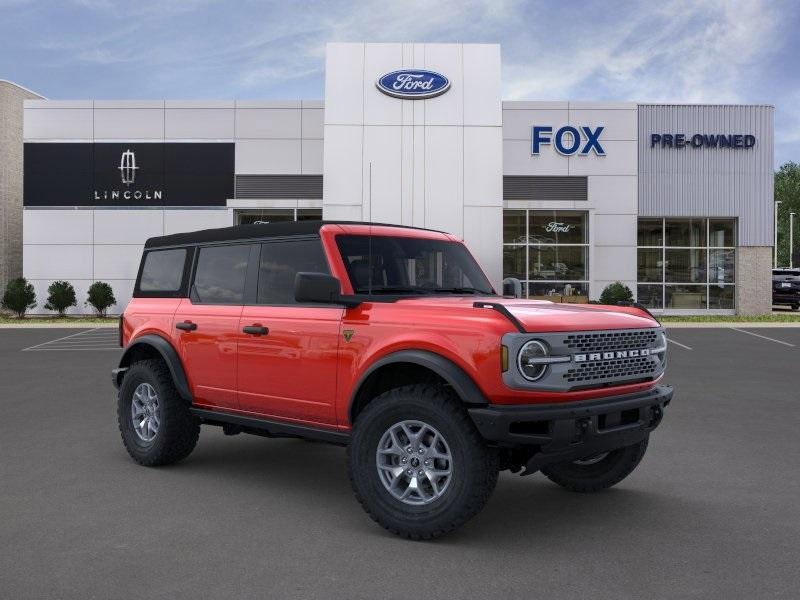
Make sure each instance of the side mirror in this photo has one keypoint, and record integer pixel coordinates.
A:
(512, 287)
(320, 287)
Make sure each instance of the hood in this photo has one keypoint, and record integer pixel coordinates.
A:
(543, 315)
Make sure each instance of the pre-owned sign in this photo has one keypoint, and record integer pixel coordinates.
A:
(128, 174)
(702, 140)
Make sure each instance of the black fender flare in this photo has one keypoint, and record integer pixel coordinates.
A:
(462, 384)
(167, 353)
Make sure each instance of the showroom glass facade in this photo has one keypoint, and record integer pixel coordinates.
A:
(277, 215)
(686, 264)
(548, 250)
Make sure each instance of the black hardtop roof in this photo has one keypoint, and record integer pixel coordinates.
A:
(256, 231)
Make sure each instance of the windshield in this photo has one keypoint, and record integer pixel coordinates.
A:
(398, 265)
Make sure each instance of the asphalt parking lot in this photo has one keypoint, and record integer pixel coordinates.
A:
(713, 511)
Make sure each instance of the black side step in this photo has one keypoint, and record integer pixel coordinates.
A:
(269, 428)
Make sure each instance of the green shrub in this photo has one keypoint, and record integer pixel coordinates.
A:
(60, 296)
(19, 297)
(101, 297)
(616, 292)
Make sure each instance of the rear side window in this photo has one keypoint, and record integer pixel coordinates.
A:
(220, 274)
(163, 270)
(280, 262)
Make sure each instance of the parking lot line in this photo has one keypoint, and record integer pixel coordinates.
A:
(90, 339)
(763, 337)
(684, 346)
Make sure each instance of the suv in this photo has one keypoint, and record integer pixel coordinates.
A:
(391, 341)
(786, 288)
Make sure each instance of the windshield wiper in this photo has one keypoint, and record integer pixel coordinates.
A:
(394, 289)
(463, 290)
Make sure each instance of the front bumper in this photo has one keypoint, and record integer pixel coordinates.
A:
(552, 433)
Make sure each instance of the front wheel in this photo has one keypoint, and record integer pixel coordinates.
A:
(595, 473)
(417, 464)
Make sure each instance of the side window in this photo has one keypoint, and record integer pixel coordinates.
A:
(280, 262)
(163, 270)
(220, 274)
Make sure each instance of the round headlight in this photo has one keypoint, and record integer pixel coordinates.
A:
(528, 360)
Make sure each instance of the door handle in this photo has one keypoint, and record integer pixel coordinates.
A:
(255, 330)
(186, 326)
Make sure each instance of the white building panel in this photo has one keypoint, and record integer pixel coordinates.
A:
(127, 226)
(268, 123)
(517, 124)
(128, 124)
(614, 194)
(117, 261)
(615, 230)
(517, 160)
(383, 186)
(613, 263)
(264, 157)
(67, 124)
(344, 84)
(63, 261)
(481, 93)
(312, 157)
(620, 159)
(448, 109)
(444, 179)
(617, 124)
(483, 166)
(380, 109)
(57, 226)
(313, 123)
(343, 179)
(199, 123)
(181, 220)
(477, 220)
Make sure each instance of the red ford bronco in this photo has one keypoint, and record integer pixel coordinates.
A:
(391, 341)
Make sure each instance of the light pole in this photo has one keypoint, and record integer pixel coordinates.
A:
(791, 239)
(777, 204)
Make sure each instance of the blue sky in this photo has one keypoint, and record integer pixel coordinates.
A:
(666, 50)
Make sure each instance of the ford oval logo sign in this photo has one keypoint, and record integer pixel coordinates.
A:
(413, 84)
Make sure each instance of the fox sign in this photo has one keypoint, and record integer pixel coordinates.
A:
(568, 140)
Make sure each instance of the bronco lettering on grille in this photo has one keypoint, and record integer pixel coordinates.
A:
(611, 355)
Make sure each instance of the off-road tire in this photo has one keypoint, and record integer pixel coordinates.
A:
(599, 476)
(178, 429)
(474, 465)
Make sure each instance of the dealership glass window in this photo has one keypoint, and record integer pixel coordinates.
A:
(281, 262)
(163, 270)
(277, 215)
(220, 274)
(687, 264)
(548, 250)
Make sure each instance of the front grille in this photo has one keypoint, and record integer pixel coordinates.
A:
(608, 370)
(611, 340)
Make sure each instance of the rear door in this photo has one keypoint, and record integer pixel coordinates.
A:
(287, 351)
(206, 324)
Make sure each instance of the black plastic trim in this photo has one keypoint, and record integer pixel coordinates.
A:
(462, 384)
(501, 308)
(271, 428)
(569, 431)
(167, 352)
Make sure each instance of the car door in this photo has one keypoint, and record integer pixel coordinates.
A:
(287, 352)
(206, 325)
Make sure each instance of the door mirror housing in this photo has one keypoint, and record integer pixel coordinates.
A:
(512, 287)
(321, 288)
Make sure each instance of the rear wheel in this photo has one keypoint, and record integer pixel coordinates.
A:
(417, 464)
(156, 425)
(595, 473)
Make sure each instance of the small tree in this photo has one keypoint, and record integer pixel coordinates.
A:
(616, 292)
(60, 296)
(19, 296)
(101, 297)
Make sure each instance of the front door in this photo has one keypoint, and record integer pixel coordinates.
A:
(287, 353)
(206, 325)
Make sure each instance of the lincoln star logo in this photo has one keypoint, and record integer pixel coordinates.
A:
(413, 84)
(127, 167)
(611, 355)
(348, 334)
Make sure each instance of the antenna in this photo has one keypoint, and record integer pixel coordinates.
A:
(369, 237)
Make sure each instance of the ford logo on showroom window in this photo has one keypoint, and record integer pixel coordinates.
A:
(413, 84)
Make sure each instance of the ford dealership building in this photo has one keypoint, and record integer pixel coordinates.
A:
(675, 201)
